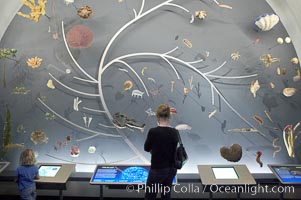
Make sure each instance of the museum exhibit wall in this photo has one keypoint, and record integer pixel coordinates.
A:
(83, 88)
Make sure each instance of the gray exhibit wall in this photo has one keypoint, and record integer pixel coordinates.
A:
(92, 96)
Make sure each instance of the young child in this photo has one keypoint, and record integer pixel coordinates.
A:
(26, 173)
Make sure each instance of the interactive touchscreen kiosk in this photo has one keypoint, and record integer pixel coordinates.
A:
(3, 165)
(121, 174)
(225, 175)
(55, 172)
(287, 174)
(49, 171)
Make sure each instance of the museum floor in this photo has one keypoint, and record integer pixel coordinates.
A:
(90, 198)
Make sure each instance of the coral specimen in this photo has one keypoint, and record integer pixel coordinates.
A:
(85, 12)
(277, 148)
(7, 129)
(235, 55)
(75, 151)
(232, 154)
(6, 53)
(267, 59)
(20, 90)
(36, 9)
(49, 116)
(258, 160)
(289, 137)
(258, 119)
(79, 37)
(38, 137)
(34, 62)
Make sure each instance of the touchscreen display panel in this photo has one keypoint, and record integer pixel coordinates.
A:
(224, 173)
(49, 170)
(288, 174)
(121, 175)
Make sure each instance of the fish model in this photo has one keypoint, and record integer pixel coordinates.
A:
(121, 121)
(183, 127)
(137, 93)
(150, 112)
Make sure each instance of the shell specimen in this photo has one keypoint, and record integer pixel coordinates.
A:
(280, 40)
(187, 43)
(254, 87)
(127, 85)
(79, 36)
(34, 62)
(201, 14)
(288, 92)
(50, 84)
(295, 60)
(266, 22)
(85, 12)
(67, 2)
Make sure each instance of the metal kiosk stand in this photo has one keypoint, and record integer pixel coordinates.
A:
(57, 180)
(225, 176)
(119, 176)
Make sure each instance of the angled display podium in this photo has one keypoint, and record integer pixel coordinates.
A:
(3, 165)
(54, 176)
(225, 176)
(119, 176)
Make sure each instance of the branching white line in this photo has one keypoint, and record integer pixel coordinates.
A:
(212, 96)
(127, 65)
(73, 59)
(233, 77)
(84, 80)
(135, 13)
(141, 8)
(194, 62)
(75, 125)
(171, 65)
(106, 126)
(71, 89)
(210, 72)
(87, 138)
(94, 110)
(169, 52)
(178, 6)
(193, 69)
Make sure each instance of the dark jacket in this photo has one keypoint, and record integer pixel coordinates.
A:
(162, 143)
